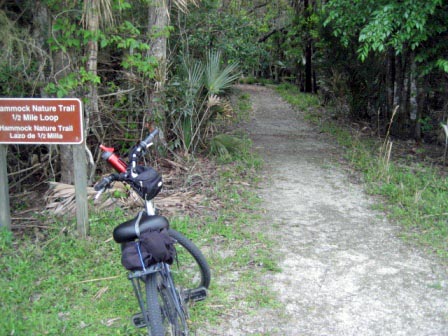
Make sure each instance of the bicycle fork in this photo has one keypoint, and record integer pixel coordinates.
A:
(140, 320)
(137, 278)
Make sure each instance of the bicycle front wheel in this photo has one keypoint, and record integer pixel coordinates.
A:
(191, 270)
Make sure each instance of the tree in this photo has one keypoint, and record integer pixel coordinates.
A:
(399, 31)
(304, 19)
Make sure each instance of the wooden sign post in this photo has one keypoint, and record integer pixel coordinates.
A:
(44, 121)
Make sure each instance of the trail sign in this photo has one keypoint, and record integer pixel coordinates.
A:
(41, 121)
(44, 121)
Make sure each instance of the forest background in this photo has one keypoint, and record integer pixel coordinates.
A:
(379, 67)
(170, 63)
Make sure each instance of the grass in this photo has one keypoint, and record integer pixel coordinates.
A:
(239, 256)
(54, 283)
(293, 96)
(414, 195)
(59, 284)
(255, 80)
(243, 107)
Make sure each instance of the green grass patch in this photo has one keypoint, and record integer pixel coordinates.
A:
(243, 106)
(300, 100)
(54, 283)
(415, 195)
(63, 285)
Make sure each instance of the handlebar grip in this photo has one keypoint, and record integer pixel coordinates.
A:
(104, 183)
(149, 138)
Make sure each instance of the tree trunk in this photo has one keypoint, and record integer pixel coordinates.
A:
(158, 20)
(61, 63)
(92, 16)
(41, 32)
(402, 96)
(413, 101)
(93, 25)
(60, 69)
(308, 50)
(390, 85)
(399, 88)
(308, 67)
(405, 121)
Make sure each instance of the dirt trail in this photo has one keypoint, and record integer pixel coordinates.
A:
(345, 271)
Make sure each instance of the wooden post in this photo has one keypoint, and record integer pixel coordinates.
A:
(5, 217)
(80, 165)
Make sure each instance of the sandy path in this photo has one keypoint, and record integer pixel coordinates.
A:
(345, 271)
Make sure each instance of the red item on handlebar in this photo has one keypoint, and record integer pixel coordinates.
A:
(114, 160)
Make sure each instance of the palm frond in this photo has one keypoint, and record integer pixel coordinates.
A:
(225, 145)
(60, 199)
(182, 5)
(216, 78)
(213, 100)
(100, 8)
(195, 73)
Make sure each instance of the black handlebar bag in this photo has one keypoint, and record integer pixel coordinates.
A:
(148, 182)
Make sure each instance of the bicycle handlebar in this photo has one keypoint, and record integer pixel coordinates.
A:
(120, 165)
(106, 181)
(139, 150)
(149, 139)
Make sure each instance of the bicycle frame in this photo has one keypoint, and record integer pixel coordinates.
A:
(150, 208)
(136, 279)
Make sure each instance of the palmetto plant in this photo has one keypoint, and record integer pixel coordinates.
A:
(217, 79)
(203, 85)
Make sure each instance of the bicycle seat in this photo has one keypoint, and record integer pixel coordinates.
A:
(131, 230)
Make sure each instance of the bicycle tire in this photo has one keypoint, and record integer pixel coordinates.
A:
(166, 314)
(153, 313)
(189, 274)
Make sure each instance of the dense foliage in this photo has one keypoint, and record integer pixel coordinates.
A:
(403, 44)
(140, 62)
(113, 55)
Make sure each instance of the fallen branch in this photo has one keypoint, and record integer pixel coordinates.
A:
(25, 170)
(98, 279)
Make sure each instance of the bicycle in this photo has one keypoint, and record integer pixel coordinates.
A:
(163, 306)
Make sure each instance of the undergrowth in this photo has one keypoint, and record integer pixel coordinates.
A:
(415, 195)
(54, 283)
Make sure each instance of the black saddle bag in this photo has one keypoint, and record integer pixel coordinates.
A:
(152, 247)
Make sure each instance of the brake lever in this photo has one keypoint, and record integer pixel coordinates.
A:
(99, 193)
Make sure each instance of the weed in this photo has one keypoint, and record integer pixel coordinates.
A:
(230, 148)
